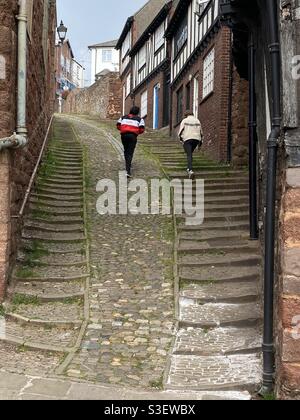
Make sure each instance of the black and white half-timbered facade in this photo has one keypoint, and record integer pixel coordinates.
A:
(202, 72)
(182, 60)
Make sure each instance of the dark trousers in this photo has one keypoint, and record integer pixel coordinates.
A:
(190, 146)
(129, 142)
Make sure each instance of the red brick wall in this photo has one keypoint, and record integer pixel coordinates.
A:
(213, 110)
(17, 166)
(289, 294)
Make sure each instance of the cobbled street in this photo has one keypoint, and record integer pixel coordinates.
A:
(132, 291)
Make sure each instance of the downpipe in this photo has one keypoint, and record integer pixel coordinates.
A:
(19, 139)
(270, 219)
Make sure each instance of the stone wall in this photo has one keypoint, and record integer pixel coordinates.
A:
(16, 167)
(240, 132)
(289, 337)
(102, 99)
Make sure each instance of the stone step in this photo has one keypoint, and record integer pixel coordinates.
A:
(211, 315)
(53, 204)
(65, 188)
(237, 372)
(220, 260)
(42, 258)
(57, 314)
(215, 274)
(47, 227)
(54, 220)
(202, 251)
(225, 218)
(229, 226)
(59, 248)
(40, 338)
(218, 291)
(49, 291)
(53, 237)
(221, 208)
(220, 187)
(212, 200)
(217, 244)
(218, 341)
(210, 174)
(214, 236)
(57, 197)
(60, 191)
(62, 182)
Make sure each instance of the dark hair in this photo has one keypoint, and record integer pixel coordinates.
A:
(135, 110)
(188, 113)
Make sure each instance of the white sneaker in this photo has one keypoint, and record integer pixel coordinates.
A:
(191, 174)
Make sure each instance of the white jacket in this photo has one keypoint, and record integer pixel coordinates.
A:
(190, 129)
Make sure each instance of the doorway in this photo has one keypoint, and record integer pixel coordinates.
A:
(156, 107)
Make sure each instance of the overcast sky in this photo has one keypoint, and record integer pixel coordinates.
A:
(93, 21)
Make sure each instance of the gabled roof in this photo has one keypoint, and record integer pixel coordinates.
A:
(104, 44)
(125, 31)
(179, 13)
(159, 18)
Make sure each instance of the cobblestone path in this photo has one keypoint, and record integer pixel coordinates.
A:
(132, 323)
(218, 343)
(92, 297)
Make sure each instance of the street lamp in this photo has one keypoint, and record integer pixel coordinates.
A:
(62, 32)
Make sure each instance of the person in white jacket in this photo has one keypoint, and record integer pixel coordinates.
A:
(191, 135)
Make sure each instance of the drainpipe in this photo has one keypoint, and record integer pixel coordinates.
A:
(268, 344)
(19, 139)
(252, 142)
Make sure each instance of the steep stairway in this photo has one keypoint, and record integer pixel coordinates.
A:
(46, 306)
(218, 343)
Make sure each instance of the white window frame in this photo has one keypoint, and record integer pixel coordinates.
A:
(142, 57)
(126, 45)
(209, 73)
(107, 53)
(144, 104)
(159, 39)
(128, 85)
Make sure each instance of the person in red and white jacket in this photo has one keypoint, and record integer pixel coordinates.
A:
(130, 126)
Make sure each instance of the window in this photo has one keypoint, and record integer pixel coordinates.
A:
(142, 57)
(209, 73)
(179, 114)
(126, 45)
(181, 36)
(159, 37)
(144, 104)
(128, 85)
(188, 96)
(202, 5)
(107, 56)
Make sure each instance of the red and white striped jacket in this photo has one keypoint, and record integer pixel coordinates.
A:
(131, 124)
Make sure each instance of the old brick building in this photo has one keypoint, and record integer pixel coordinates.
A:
(16, 166)
(144, 63)
(182, 60)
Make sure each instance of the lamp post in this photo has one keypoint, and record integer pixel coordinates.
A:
(62, 32)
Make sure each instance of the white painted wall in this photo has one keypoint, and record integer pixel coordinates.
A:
(97, 63)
